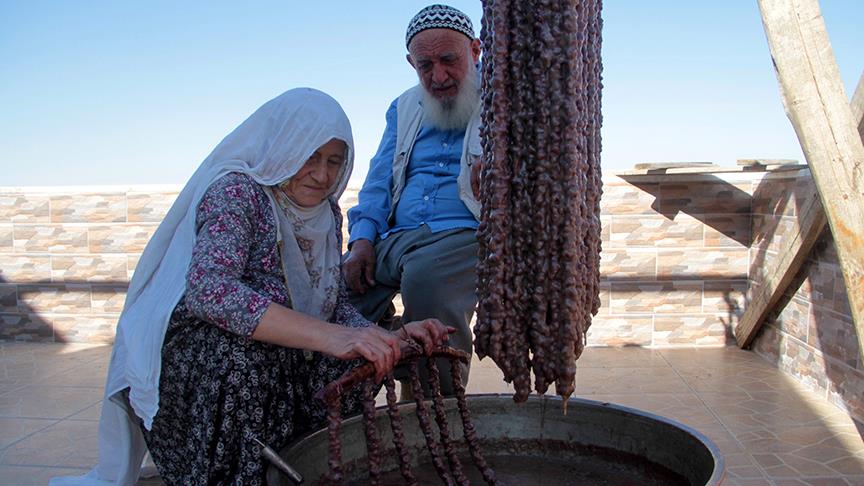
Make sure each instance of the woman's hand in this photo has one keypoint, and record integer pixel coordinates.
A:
(383, 348)
(379, 347)
(429, 332)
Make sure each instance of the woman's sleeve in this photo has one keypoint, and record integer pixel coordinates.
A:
(215, 291)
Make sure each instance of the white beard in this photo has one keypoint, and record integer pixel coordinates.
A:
(455, 113)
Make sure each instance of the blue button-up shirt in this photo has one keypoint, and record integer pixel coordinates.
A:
(431, 194)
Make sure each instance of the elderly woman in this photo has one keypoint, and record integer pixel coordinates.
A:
(237, 312)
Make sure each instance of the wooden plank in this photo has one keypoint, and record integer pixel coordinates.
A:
(767, 162)
(817, 106)
(790, 257)
(671, 165)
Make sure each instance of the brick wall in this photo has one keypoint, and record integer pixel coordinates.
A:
(675, 258)
(674, 262)
(680, 251)
(66, 256)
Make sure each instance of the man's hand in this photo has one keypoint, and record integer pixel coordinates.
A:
(359, 268)
(475, 178)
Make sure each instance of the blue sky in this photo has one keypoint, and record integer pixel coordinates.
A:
(112, 92)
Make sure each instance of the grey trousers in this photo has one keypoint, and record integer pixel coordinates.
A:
(435, 274)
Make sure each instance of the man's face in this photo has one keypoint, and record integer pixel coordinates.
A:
(442, 58)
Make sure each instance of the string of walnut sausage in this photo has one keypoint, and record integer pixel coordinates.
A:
(451, 474)
(539, 235)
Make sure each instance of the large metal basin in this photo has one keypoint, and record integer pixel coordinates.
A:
(533, 443)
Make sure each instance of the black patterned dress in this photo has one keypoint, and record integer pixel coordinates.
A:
(219, 389)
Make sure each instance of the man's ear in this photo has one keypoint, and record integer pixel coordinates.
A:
(410, 60)
(475, 50)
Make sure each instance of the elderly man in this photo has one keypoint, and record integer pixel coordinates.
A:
(413, 229)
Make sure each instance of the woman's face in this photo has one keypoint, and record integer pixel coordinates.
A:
(311, 185)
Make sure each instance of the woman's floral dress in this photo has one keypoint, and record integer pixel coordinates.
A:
(219, 390)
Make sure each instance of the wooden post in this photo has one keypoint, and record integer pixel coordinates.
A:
(817, 106)
(858, 105)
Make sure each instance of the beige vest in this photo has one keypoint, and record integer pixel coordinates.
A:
(409, 117)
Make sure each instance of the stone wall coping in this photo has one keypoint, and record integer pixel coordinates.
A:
(802, 171)
(630, 177)
(664, 168)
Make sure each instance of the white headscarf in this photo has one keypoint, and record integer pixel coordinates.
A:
(270, 147)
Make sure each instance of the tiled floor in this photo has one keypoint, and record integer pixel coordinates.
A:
(770, 430)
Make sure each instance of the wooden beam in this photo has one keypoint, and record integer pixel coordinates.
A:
(817, 106)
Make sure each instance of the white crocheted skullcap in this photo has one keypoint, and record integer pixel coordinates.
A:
(439, 17)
